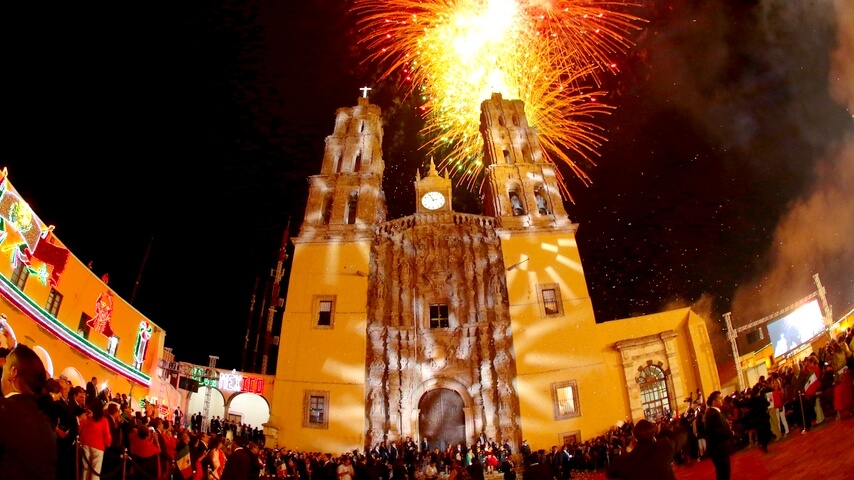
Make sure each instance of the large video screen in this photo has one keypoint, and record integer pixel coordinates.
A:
(796, 328)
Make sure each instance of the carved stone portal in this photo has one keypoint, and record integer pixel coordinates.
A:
(452, 263)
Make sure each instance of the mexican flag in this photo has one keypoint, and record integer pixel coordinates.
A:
(182, 458)
(812, 385)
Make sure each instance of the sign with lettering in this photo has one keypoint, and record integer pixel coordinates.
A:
(235, 382)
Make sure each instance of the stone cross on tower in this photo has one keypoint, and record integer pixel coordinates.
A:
(365, 91)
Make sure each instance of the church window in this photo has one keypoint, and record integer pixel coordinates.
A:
(20, 275)
(527, 154)
(507, 158)
(83, 326)
(565, 400)
(316, 409)
(324, 311)
(542, 203)
(439, 315)
(358, 163)
(654, 396)
(336, 163)
(501, 120)
(352, 208)
(550, 301)
(516, 203)
(327, 208)
(54, 300)
(361, 126)
(515, 119)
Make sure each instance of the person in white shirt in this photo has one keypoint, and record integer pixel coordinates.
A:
(345, 470)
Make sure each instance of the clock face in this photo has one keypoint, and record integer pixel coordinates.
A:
(432, 200)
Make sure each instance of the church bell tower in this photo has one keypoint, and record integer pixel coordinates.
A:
(521, 187)
(346, 199)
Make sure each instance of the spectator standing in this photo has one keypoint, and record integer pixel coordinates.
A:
(94, 438)
(216, 458)
(243, 463)
(649, 457)
(111, 467)
(27, 444)
(718, 436)
(345, 470)
(91, 389)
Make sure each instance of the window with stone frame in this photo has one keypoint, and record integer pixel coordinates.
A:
(20, 275)
(316, 409)
(54, 300)
(569, 438)
(551, 304)
(565, 400)
(439, 315)
(654, 395)
(324, 311)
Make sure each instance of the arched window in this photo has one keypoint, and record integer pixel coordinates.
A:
(327, 208)
(516, 203)
(542, 202)
(527, 154)
(352, 207)
(507, 159)
(501, 120)
(336, 163)
(361, 126)
(654, 396)
(357, 165)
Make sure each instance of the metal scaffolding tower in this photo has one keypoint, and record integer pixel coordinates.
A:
(207, 410)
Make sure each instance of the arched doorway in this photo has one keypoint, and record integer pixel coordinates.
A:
(442, 419)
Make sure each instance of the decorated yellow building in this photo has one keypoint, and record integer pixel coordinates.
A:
(446, 325)
(74, 321)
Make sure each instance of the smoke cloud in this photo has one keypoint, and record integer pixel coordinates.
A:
(814, 236)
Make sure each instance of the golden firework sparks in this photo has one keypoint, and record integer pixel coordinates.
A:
(456, 53)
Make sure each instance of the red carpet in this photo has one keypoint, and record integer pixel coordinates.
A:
(826, 453)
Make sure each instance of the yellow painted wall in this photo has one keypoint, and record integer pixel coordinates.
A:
(306, 360)
(548, 349)
(80, 288)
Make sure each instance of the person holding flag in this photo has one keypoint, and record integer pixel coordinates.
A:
(183, 462)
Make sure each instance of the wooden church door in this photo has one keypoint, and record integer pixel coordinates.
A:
(442, 419)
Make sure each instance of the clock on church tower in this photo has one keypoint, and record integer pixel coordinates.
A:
(433, 192)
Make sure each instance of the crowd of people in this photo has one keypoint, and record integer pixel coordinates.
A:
(50, 429)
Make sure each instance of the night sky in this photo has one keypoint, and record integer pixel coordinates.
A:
(192, 126)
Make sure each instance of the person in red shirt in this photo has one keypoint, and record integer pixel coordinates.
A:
(168, 445)
(94, 438)
(145, 452)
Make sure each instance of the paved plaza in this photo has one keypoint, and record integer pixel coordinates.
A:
(824, 453)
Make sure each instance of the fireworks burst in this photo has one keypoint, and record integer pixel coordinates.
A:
(456, 53)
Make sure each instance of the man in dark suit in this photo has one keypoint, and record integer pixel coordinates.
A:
(27, 444)
(92, 389)
(718, 436)
(242, 464)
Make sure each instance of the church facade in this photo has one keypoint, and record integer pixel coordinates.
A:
(448, 326)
